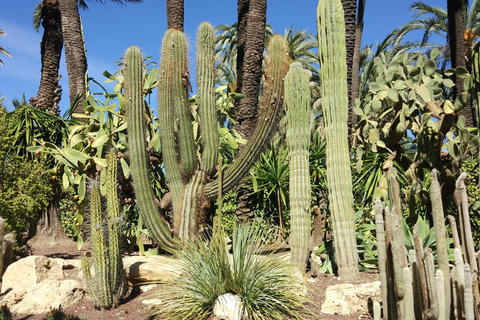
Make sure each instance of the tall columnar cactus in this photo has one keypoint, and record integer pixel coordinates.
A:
(297, 104)
(333, 78)
(109, 284)
(187, 179)
(136, 142)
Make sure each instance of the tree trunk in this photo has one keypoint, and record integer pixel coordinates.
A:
(355, 84)
(175, 9)
(456, 28)
(74, 51)
(48, 94)
(350, 12)
(48, 230)
(252, 19)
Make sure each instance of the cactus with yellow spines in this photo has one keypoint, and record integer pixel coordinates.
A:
(297, 105)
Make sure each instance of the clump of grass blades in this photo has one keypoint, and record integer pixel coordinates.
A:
(264, 282)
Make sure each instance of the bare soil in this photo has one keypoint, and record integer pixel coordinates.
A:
(132, 308)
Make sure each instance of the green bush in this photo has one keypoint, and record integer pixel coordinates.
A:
(25, 185)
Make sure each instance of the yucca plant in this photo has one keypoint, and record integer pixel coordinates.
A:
(263, 282)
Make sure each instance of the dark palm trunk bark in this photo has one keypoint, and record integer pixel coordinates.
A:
(252, 19)
(350, 12)
(48, 95)
(175, 11)
(74, 51)
(456, 28)
(356, 65)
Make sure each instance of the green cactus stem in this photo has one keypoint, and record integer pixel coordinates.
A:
(441, 293)
(468, 294)
(439, 227)
(118, 282)
(297, 101)
(109, 284)
(333, 79)
(98, 287)
(382, 253)
(409, 312)
(138, 157)
(467, 229)
(432, 293)
(270, 110)
(206, 97)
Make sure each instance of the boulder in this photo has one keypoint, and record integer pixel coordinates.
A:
(229, 307)
(345, 299)
(145, 269)
(41, 297)
(35, 269)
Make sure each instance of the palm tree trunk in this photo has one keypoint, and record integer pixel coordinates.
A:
(350, 12)
(252, 19)
(456, 28)
(175, 9)
(51, 50)
(74, 51)
(354, 89)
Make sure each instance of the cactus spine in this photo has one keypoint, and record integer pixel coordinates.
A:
(297, 103)
(333, 77)
(109, 284)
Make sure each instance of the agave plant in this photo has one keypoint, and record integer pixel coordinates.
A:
(263, 282)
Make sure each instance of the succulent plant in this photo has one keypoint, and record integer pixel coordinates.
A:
(297, 102)
(108, 285)
(192, 183)
(333, 78)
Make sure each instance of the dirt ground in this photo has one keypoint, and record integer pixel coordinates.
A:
(132, 308)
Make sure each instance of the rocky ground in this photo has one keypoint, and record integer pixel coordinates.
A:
(132, 307)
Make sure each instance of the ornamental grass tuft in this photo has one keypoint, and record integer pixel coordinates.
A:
(263, 281)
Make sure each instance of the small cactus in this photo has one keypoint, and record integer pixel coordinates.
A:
(109, 284)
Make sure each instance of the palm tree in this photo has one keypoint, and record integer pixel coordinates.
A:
(2, 49)
(48, 95)
(301, 46)
(355, 70)
(175, 10)
(252, 20)
(75, 49)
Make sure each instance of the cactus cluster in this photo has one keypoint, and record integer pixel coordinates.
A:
(297, 104)
(333, 79)
(191, 180)
(109, 284)
(411, 287)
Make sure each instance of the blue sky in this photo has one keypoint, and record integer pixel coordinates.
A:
(111, 28)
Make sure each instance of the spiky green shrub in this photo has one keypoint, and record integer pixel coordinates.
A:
(263, 282)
